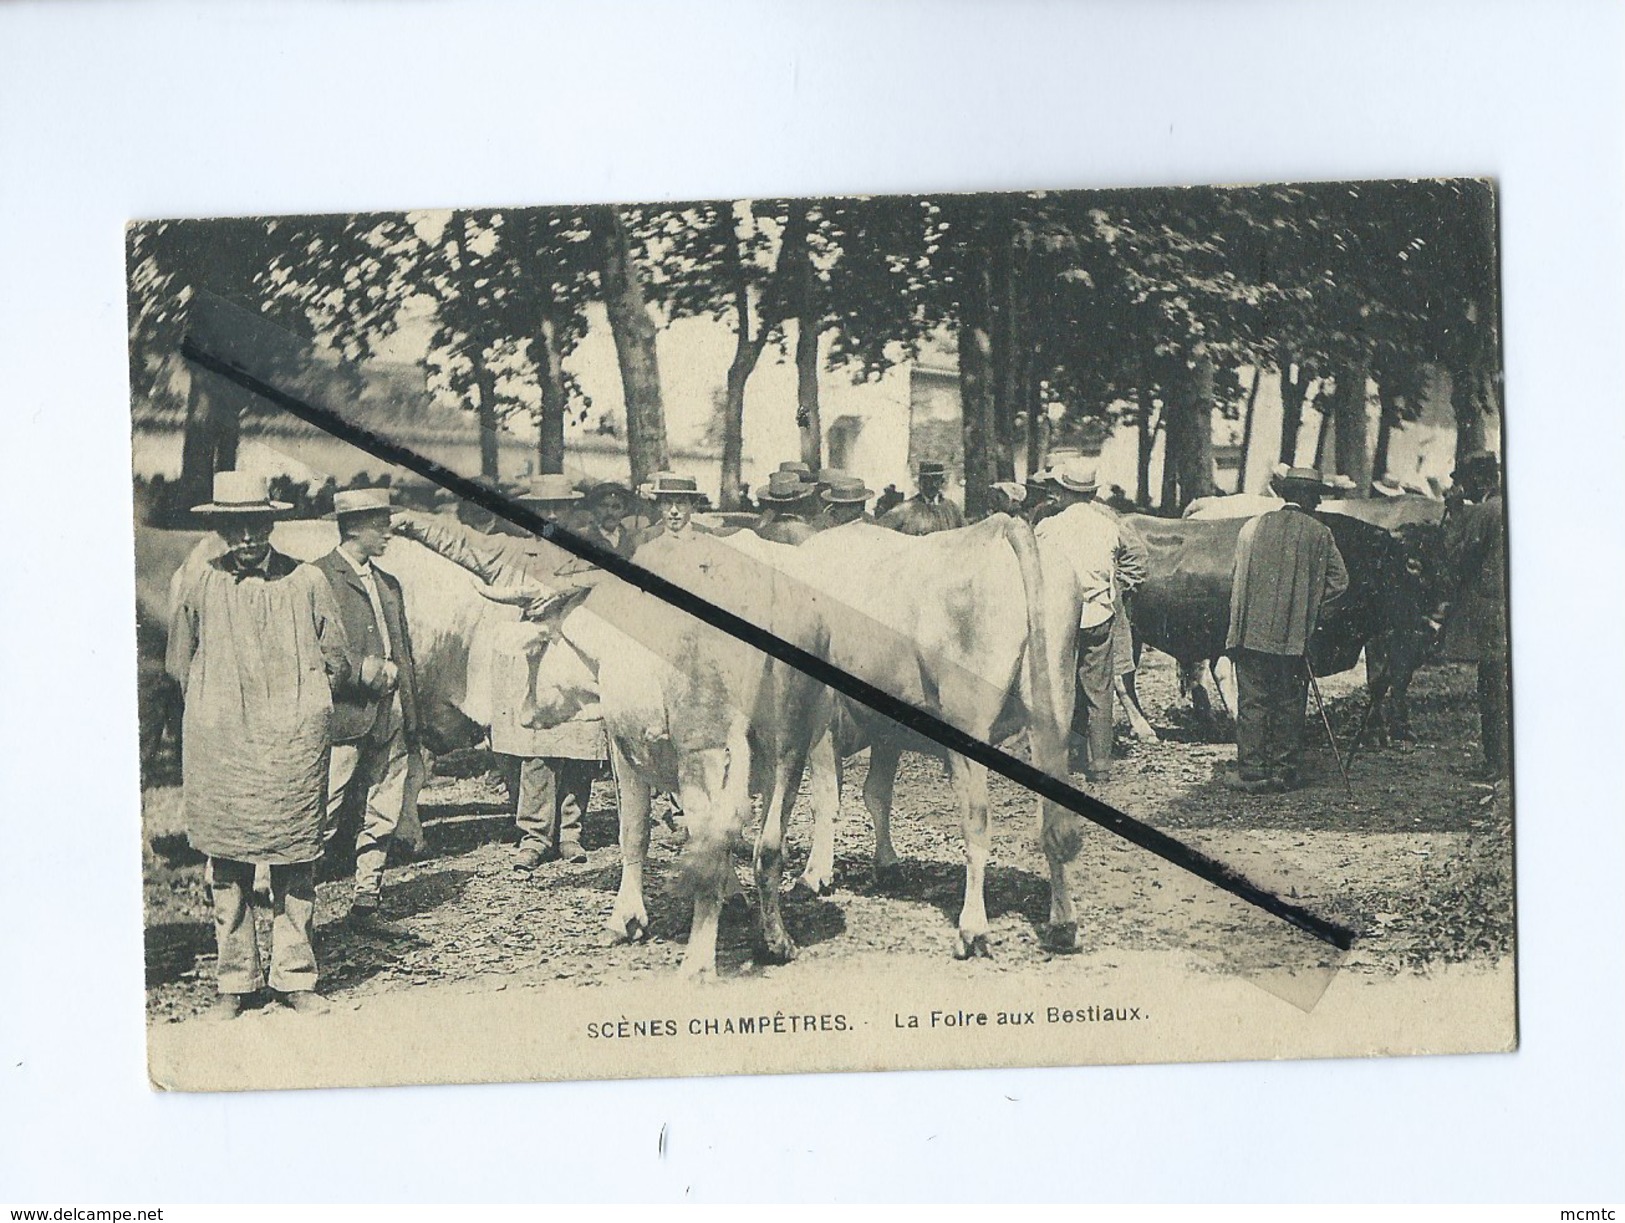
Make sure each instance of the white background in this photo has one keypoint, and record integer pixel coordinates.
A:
(117, 111)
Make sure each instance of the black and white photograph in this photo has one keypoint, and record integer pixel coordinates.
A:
(1036, 628)
(929, 603)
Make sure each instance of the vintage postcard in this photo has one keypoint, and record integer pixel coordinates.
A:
(756, 636)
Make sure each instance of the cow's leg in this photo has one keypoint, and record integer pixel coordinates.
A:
(1128, 694)
(629, 919)
(877, 796)
(1190, 684)
(1399, 653)
(824, 789)
(715, 792)
(777, 946)
(970, 788)
(1223, 672)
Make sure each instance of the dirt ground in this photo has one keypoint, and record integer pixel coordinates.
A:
(1418, 862)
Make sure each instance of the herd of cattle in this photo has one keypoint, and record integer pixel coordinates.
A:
(975, 626)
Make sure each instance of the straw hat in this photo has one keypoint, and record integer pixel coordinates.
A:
(670, 484)
(846, 490)
(241, 492)
(361, 501)
(1076, 475)
(1302, 476)
(548, 489)
(930, 467)
(787, 486)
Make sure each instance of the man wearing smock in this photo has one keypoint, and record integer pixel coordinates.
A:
(258, 647)
(1287, 569)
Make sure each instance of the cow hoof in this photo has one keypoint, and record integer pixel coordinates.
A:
(697, 974)
(807, 888)
(975, 947)
(1062, 938)
(634, 929)
(776, 951)
(889, 875)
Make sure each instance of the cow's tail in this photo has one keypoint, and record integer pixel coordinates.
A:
(1061, 831)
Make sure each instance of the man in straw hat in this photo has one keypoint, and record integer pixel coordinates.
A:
(549, 770)
(674, 498)
(788, 503)
(257, 645)
(928, 511)
(845, 500)
(1108, 561)
(376, 728)
(1475, 565)
(1006, 497)
(1287, 569)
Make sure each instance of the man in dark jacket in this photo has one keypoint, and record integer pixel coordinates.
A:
(373, 733)
(1287, 568)
(610, 507)
(929, 510)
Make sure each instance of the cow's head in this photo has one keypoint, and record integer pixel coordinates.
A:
(563, 677)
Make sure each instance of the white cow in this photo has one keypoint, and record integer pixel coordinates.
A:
(957, 624)
(691, 710)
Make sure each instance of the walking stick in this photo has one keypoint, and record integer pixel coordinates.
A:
(1320, 704)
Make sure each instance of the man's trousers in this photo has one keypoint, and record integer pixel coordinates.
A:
(1094, 718)
(370, 776)
(1272, 698)
(293, 917)
(553, 796)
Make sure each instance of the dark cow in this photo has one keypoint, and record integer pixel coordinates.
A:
(1183, 609)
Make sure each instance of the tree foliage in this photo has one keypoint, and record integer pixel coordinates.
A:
(1085, 307)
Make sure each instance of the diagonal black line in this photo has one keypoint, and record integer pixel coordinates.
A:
(827, 673)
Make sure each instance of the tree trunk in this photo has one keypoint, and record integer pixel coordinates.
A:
(976, 386)
(1168, 498)
(795, 260)
(1387, 421)
(1033, 409)
(747, 351)
(1247, 430)
(1466, 399)
(1324, 440)
(1349, 428)
(1004, 348)
(1190, 431)
(1148, 443)
(555, 399)
(634, 333)
(1294, 388)
(209, 443)
(807, 366)
(490, 453)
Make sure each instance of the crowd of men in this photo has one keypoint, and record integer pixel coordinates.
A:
(302, 729)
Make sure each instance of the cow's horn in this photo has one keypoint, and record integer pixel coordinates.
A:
(519, 595)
